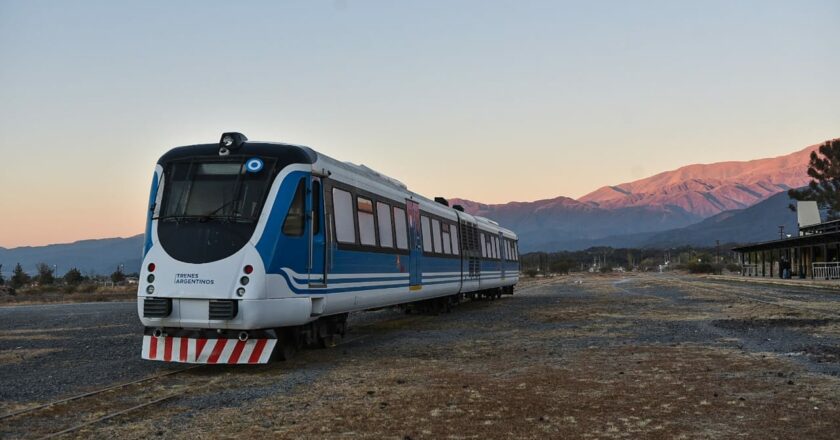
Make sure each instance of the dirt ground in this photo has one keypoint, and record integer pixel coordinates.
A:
(595, 356)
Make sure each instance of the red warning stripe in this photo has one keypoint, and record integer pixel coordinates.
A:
(217, 351)
(220, 351)
(184, 348)
(199, 345)
(237, 351)
(153, 348)
(258, 349)
(167, 349)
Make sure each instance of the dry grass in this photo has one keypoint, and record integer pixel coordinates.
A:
(17, 355)
(95, 294)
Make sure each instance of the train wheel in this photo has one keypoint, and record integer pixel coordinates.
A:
(287, 344)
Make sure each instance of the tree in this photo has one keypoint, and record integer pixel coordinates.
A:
(118, 276)
(45, 274)
(73, 277)
(2, 280)
(824, 187)
(19, 277)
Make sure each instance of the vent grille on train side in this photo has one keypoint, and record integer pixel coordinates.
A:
(157, 307)
(223, 309)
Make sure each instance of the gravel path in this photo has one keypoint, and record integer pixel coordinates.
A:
(50, 351)
(633, 356)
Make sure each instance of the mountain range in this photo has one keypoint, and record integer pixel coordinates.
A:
(671, 200)
(101, 256)
(692, 205)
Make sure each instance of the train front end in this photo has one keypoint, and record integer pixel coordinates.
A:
(203, 295)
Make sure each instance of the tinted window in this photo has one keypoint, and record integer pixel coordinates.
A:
(427, 233)
(316, 206)
(454, 238)
(436, 236)
(383, 216)
(447, 242)
(399, 226)
(295, 217)
(209, 207)
(212, 190)
(345, 224)
(367, 231)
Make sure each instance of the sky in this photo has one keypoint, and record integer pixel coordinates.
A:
(493, 101)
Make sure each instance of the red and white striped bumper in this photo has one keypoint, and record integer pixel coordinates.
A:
(207, 350)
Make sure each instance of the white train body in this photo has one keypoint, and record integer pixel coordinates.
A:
(246, 239)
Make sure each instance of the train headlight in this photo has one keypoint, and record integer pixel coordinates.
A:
(231, 141)
(150, 289)
(244, 281)
(240, 291)
(227, 141)
(248, 269)
(150, 278)
(151, 267)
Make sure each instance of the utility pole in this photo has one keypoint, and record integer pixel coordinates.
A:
(717, 251)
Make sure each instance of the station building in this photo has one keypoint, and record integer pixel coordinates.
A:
(813, 253)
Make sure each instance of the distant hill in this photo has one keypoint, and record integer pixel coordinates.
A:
(708, 189)
(97, 256)
(635, 211)
(757, 223)
(564, 223)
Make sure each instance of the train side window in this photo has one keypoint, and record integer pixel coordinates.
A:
(383, 215)
(436, 236)
(294, 223)
(454, 236)
(345, 224)
(447, 241)
(496, 247)
(399, 226)
(316, 206)
(493, 249)
(367, 227)
(427, 233)
(483, 246)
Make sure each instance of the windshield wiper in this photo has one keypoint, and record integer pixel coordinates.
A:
(176, 217)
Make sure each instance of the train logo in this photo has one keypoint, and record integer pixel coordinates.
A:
(254, 165)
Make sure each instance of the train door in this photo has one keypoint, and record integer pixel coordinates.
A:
(415, 244)
(318, 233)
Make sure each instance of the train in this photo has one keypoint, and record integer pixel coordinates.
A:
(254, 250)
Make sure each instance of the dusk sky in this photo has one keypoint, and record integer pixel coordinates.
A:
(487, 100)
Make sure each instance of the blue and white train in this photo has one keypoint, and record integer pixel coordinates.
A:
(254, 249)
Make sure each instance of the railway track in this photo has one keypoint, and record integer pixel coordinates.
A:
(86, 409)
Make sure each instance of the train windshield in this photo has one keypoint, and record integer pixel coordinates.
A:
(210, 206)
(214, 191)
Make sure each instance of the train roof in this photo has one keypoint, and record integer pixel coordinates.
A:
(285, 152)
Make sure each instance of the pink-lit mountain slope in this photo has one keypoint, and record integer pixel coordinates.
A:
(707, 189)
(670, 200)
